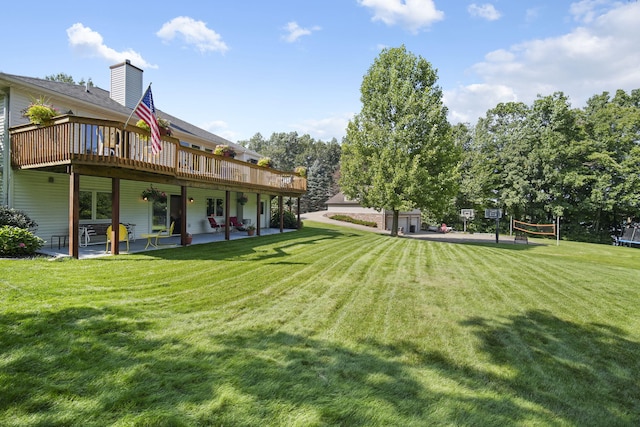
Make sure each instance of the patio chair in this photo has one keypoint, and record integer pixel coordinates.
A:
(214, 224)
(152, 238)
(166, 233)
(123, 236)
(233, 220)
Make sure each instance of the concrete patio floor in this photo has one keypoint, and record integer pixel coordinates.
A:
(137, 246)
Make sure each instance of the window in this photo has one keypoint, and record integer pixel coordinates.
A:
(215, 207)
(95, 205)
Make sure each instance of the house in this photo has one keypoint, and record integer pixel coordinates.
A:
(89, 167)
(341, 204)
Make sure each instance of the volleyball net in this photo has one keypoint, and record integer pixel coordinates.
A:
(536, 229)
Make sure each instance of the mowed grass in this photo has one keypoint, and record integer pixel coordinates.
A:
(324, 326)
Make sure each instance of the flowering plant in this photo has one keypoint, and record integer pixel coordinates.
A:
(40, 112)
(163, 124)
(301, 170)
(224, 150)
(243, 199)
(265, 162)
(154, 194)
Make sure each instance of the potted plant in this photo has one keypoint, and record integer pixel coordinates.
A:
(301, 171)
(242, 199)
(164, 126)
(188, 239)
(265, 162)
(251, 229)
(224, 150)
(40, 112)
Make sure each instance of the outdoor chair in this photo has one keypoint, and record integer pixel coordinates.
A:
(123, 236)
(152, 238)
(214, 224)
(233, 220)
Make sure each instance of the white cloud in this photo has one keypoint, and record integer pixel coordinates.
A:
(220, 128)
(89, 43)
(324, 129)
(597, 57)
(587, 10)
(411, 14)
(193, 33)
(467, 103)
(294, 31)
(486, 11)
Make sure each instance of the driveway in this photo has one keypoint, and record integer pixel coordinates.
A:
(453, 237)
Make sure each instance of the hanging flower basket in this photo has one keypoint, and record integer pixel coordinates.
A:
(154, 194)
(243, 199)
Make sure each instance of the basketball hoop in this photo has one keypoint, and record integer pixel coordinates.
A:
(466, 215)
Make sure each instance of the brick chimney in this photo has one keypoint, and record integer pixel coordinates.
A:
(126, 84)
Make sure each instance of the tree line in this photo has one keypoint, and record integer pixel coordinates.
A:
(321, 160)
(535, 162)
(547, 160)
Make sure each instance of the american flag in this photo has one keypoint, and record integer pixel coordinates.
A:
(147, 112)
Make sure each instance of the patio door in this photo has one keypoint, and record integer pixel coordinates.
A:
(176, 213)
(263, 224)
(158, 216)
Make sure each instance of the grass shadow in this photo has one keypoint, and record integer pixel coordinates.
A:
(233, 249)
(581, 374)
(93, 367)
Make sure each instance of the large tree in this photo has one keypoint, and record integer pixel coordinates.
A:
(399, 153)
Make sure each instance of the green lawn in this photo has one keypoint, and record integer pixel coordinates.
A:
(324, 326)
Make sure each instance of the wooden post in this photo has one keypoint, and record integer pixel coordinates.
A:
(258, 212)
(227, 206)
(74, 214)
(281, 211)
(115, 216)
(183, 221)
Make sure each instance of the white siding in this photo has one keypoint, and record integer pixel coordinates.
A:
(47, 203)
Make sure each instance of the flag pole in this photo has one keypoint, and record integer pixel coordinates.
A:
(136, 107)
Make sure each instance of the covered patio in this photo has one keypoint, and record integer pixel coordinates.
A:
(101, 149)
(140, 245)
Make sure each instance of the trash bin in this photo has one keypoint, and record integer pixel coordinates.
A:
(412, 229)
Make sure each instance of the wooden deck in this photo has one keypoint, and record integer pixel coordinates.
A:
(105, 148)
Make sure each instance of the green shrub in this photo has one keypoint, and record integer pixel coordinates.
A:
(16, 218)
(18, 242)
(290, 220)
(347, 218)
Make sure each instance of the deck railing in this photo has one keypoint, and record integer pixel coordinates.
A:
(72, 139)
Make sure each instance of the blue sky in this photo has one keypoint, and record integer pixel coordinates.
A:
(241, 67)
